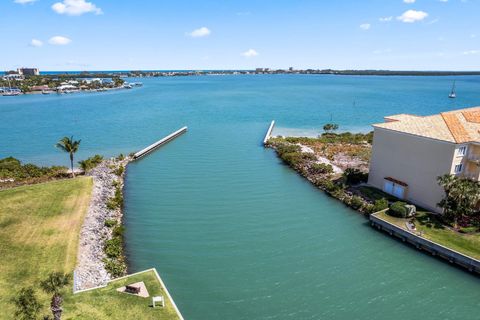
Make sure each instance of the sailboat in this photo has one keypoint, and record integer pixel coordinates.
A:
(10, 92)
(452, 94)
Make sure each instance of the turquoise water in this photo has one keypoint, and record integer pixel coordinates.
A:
(234, 233)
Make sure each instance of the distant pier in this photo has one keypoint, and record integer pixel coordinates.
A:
(269, 132)
(159, 143)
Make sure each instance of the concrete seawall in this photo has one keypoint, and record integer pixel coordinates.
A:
(420, 243)
(159, 143)
(269, 132)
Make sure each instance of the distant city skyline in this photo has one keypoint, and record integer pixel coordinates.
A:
(61, 35)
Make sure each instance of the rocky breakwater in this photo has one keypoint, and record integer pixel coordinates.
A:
(100, 253)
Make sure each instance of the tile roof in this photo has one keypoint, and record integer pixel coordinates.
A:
(458, 126)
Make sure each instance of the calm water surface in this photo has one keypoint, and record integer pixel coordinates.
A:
(234, 233)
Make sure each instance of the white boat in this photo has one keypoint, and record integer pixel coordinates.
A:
(10, 92)
(127, 86)
(452, 94)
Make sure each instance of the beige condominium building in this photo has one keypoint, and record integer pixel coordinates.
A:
(410, 152)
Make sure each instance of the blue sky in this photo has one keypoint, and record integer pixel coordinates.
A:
(228, 34)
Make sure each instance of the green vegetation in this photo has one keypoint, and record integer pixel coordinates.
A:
(460, 205)
(321, 174)
(107, 303)
(69, 146)
(54, 81)
(11, 168)
(330, 127)
(110, 223)
(90, 163)
(355, 176)
(26, 303)
(397, 209)
(380, 204)
(431, 227)
(115, 261)
(117, 200)
(119, 171)
(375, 194)
(321, 168)
(39, 227)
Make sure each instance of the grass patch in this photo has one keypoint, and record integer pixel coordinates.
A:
(107, 303)
(376, 194)
(39, 228)
(432, 229)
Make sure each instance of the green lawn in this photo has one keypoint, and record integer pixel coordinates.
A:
(433, 230)
(39, 228)
(107, 303)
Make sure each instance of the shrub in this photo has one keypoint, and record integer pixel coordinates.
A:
(115, 267)
(117, 200)
(110, 223)
(91, 162)
(13, 168)
(292, 158)
(287, 148)
(355, 176)
(356, 202)
(321, 168)
(120, 157)
(113, 247)
(397, 209)
(380, 204)
(118, 231)
(119, 171)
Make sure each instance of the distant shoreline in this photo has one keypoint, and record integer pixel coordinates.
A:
(176, 73)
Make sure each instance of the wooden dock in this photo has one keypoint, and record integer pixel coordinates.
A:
(159, 143)
(269, 132)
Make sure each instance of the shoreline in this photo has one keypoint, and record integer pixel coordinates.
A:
(91, 269)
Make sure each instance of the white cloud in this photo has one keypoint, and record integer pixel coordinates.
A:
(443, 0)
(409, 1)
(411, 16)
(386, 19)
(75, 7)
(365, 26)
(59, 40)
(471, 52)
(24, 1)
(250, 53)
(36, 43)
(200, 32)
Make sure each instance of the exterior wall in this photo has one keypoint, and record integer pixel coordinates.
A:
(414, 160)
(473, 162)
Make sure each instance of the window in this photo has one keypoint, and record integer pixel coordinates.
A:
(458, 168)
(462, 151)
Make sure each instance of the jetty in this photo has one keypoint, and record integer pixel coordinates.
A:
(159, 143)
(269, 132)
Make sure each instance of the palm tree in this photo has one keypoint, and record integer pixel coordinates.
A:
(69, 145)
(461, 197)
(54, 284)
